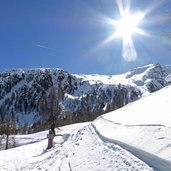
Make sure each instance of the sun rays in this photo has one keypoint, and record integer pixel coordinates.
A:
(127, 26)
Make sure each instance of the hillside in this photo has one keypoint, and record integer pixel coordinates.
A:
(110, 142)
(34, 97)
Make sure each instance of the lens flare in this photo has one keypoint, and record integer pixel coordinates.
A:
(128, 25)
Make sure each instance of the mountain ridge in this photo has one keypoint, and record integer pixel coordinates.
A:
(25, 94)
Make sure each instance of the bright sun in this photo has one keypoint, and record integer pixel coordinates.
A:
(124, 28)
(127, 25)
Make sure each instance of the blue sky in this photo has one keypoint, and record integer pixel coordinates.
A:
(68, 33)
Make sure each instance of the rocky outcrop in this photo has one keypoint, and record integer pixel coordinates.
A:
(26, 95)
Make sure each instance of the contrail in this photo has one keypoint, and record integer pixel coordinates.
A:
(45, 47)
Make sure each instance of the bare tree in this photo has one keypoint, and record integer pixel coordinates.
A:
(54, 108)
(50, 109)
(8, 128)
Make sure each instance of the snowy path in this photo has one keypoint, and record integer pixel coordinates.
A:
(91, 153)
(155, 162)
(82, 149)
(34, 156)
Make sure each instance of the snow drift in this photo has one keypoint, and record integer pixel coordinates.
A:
(135, 137)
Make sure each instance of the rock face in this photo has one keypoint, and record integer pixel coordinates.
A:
(36, 96)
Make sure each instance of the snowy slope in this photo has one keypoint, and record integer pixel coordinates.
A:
(144, 124)
(140, 77)
(135, 137)
(82, 150)
(153, 109)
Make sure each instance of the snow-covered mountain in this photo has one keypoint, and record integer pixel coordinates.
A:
(24, 94)
(135, 137)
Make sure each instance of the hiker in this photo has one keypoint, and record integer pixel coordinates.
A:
(53, 129)
(50, 137)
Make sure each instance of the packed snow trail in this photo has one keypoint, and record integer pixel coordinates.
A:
(83, 147)
(34, 156)
(90, 153)
(155, 162)
(80, 150)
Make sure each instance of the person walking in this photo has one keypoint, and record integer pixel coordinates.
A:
(50, 137)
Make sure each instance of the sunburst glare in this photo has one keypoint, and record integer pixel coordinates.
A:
(128, 25)
(125, 28)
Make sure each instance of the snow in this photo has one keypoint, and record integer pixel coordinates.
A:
(153, 109)
(32, 154)
(81, 150)
(137, 77)
(168, 78)
(77, 89)
(142, 128)
(135, 137)
(19, 85)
